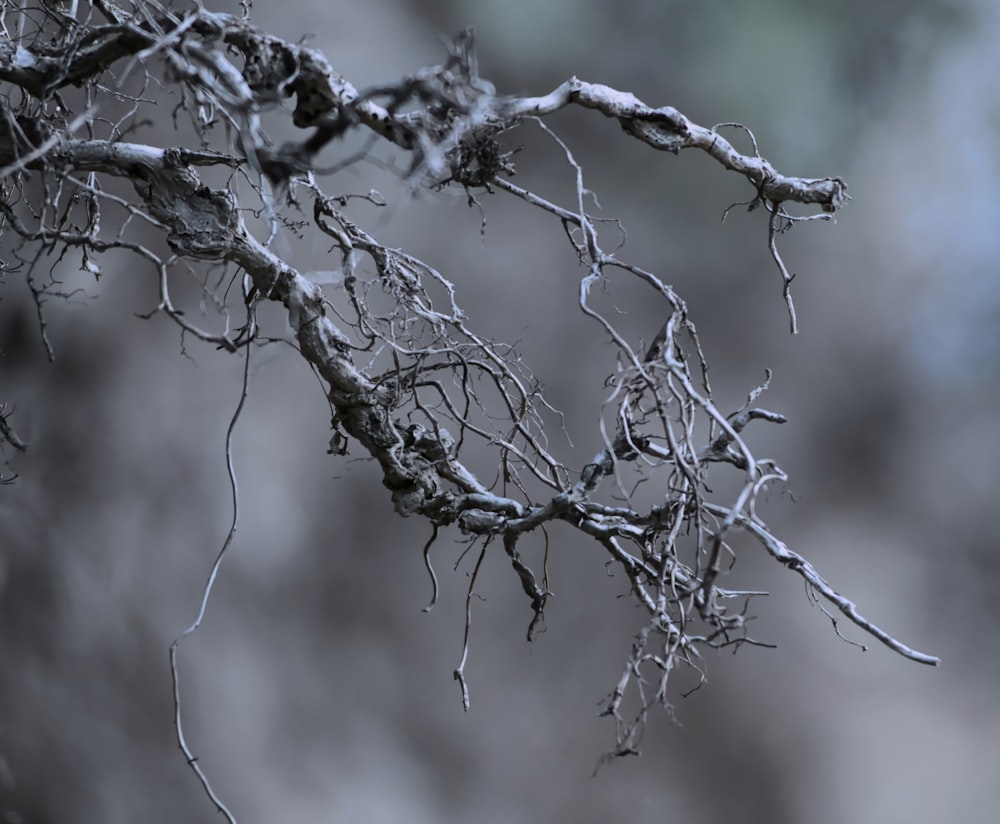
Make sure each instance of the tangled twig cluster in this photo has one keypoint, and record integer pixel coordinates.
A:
(410, 383)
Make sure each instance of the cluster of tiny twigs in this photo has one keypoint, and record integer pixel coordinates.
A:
(409, 382)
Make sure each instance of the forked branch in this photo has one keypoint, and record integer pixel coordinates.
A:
(409, 381)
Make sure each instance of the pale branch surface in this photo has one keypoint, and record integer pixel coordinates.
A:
(409, 382)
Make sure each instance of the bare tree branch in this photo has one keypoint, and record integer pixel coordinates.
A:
(409, 382)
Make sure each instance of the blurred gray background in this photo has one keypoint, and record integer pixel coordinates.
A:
(317, 691)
